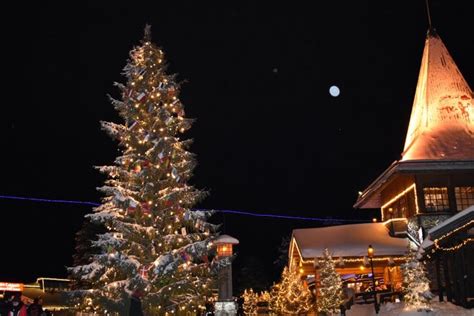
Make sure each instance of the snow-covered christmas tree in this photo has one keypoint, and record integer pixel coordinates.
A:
(250, 302)
(154, 244)
(415, 283)
(330, 295)
(291, 295)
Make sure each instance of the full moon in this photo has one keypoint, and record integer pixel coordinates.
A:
(334, 91)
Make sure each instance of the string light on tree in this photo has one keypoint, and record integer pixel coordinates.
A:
(330, 291)
(145, 248)
(250, 302)
(415, 283)
(291, 295)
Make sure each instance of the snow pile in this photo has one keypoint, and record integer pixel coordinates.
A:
(398, 309)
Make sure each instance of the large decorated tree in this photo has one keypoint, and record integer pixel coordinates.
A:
(291, 296)
(415, 283)
(155, 246)
(330, 295)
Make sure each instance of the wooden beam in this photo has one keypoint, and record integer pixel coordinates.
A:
(438, 279)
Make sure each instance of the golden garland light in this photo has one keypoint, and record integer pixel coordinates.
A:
(471, 222)
(353, 260)
(458, 246)
(453, 248)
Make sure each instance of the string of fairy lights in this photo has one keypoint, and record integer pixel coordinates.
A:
(458, 246)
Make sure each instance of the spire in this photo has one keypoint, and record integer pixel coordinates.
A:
(442, 118)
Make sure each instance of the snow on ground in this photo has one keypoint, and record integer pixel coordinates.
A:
(397, 309)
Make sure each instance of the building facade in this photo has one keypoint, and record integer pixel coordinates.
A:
(432, 183)
(434, 179)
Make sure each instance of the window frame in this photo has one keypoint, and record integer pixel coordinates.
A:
(430, 195)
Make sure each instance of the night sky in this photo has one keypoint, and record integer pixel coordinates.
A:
(269, 138)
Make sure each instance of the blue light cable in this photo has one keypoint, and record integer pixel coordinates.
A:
(12, 197)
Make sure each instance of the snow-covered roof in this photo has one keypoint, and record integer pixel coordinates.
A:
(370, 197)
(349, 241)
(442, 119)
(440, 134)
(226, 239)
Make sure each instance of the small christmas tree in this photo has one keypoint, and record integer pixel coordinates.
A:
(330, 292)
(274, 302)
(415, 283)
(291, 295)
(250, 302)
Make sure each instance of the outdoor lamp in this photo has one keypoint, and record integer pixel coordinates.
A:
(225, 301)
(370, 251)
(370, 254)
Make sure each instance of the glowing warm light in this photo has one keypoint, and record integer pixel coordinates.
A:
(362, 268)
(370, 251)
(458, 246)
(374, 220)
(399, 195)
(224, 250)
(13, 287)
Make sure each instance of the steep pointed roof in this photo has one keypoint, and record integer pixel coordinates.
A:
(442, 119)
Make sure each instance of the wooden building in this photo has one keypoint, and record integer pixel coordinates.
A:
(434, 179)
(424, 194)
(348, 245)
(450, 246)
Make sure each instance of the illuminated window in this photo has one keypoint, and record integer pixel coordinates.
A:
(399, 207)
(436, 199)
(464, 197)
(403, 206)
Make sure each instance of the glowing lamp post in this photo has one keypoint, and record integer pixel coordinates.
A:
(225, 304)
(370, 254)
(224, 250)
